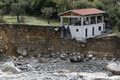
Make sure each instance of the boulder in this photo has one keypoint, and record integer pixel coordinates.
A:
(20, 57)
(9, 67)
(21, 51)
(63, 56)
(114, 68)
(89, 56)
(39, 56)
(76, 58)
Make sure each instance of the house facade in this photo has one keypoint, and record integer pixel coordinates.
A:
(82, 24)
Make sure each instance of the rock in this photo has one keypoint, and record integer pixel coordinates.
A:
(63, 43)
(89, 56)
(20, 57)
(39, 56)
(52, 55)
(41, 60)
(94, 76)
(51, 49)
(114, 68)
(86, 59)
(29, 67)
(63, 71)
(9, 67)
(76, 58)
(94, 58)
(10, 73)
(1, 72)
(21, 51)
(46, 56)
(14, 58)
(63, 56)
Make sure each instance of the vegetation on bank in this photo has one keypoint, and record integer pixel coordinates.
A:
(49, 9)
(29, 20)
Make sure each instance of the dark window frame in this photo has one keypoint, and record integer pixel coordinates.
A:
(77, 30)
(99, 28)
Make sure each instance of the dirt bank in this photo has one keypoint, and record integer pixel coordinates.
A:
(34, 40)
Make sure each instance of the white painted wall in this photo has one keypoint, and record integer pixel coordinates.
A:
(80, 35)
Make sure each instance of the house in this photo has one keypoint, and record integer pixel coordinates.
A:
(82, 24)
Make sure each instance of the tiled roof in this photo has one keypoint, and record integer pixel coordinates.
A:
(88, 11)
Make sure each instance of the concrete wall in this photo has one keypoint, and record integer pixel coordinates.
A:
(78, 32)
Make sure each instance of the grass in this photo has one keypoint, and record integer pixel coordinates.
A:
(30, 20)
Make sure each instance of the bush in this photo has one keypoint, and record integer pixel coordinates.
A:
(118, 24)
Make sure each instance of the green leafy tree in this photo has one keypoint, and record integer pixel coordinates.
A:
(98, 4)
(37, 5)
(7, 6)
(47, 12)
(18, 9)
(84, 4)
(118, 25)
(2, 7)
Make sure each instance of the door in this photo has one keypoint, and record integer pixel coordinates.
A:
(86, 32)
(93, 31)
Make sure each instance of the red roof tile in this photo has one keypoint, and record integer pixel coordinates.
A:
(88, 11)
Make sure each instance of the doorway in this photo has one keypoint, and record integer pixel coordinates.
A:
(86, 32)
(93, 31)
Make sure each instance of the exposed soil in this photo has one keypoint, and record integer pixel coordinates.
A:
(44, 40)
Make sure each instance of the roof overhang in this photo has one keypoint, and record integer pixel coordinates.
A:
(70, 11)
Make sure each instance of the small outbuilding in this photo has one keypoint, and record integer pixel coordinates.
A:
(82, 24)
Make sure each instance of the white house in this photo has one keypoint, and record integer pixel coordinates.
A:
(82, 23)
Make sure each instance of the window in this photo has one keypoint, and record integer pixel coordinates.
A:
(77, 30)
(99, 28)
(85, 32)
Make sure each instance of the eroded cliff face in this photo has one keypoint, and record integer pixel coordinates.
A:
(34, 40)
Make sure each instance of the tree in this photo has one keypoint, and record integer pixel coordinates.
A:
(47, 11)
(5, 6)
(2, 7)
(84, 4)
(37, 5)
(18, 8)
(118, 25)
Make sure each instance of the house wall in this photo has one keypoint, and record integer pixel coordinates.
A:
(78, 32)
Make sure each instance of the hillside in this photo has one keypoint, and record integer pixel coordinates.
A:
(34, 40)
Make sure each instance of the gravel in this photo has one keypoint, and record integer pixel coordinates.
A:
(57, 69)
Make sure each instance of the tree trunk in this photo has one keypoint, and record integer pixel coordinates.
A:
(48, 20)
(2, 13)
(18, 18)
